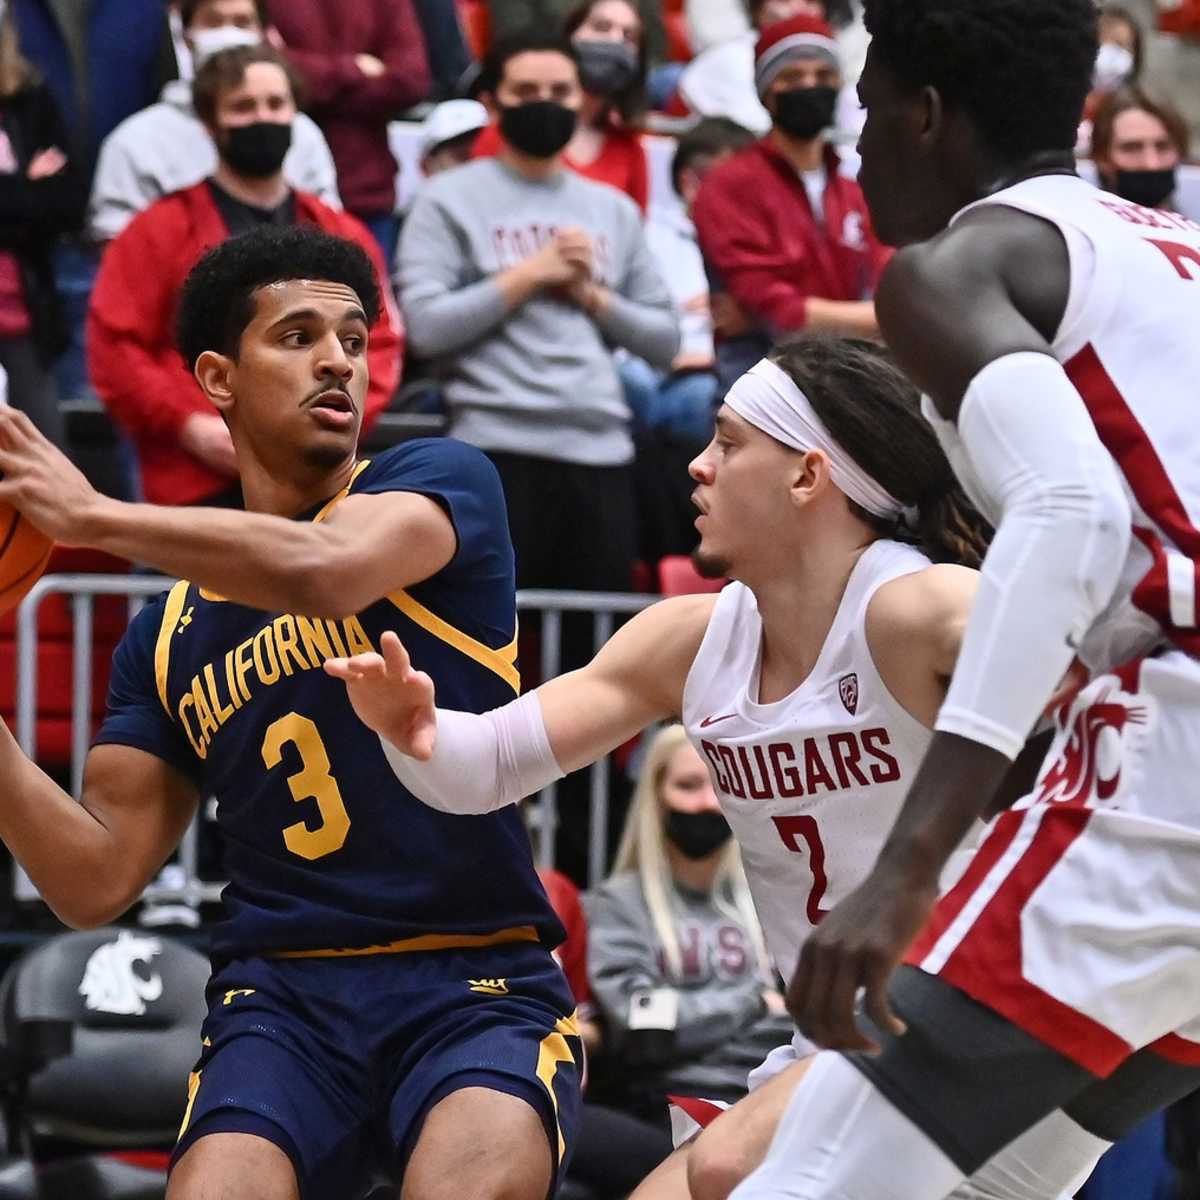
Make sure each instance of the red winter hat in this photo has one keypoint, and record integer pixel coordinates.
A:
(786, 41)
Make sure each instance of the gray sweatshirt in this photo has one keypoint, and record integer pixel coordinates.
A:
(698, 1033)
(539, 380)
(165, 148)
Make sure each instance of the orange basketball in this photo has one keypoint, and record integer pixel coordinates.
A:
(24, 552)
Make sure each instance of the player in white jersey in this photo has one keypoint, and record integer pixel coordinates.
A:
(810, 685)
(1053, 328)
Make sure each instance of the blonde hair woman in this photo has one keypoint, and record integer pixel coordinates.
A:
(677, 960)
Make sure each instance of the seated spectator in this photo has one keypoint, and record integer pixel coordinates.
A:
(685, 992)
(41, 197)
(784, 233)
(1118, 64)
(166, 148)
(720, 81)
(510, 17)
(681, 402)
(1137, 145)
(449, 134)
(244, 97)
(518, 277)
(361, 68)
(609, 39)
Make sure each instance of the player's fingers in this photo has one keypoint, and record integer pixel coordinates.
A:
(799, 993)
(841, 1029)
(422, 739)
(395, 655)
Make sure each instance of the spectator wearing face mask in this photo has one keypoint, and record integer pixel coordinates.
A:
(518, 277)
(784, 234)
(166, 147)
(245, 99)
(1137, 146)
(609, 38)
(1118, 64)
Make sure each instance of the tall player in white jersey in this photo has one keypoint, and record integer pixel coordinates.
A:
(810, 685)
(1054, 329)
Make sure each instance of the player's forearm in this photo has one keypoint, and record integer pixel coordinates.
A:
(66, 852)
(954, 787)
(254, 559)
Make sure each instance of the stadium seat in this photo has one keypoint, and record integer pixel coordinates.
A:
(678, 577)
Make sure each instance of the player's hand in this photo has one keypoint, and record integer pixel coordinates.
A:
(390, 697)
(42, 482)
(857, 946)
(206, 437)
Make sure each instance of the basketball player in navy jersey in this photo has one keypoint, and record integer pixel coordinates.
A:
(383, 993)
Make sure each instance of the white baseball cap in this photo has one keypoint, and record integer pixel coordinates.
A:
(451, 119)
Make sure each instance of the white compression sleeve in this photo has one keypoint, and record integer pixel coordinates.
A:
(1058, 552)
(481, 761)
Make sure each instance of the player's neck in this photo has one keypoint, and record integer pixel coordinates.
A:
(990, 174)
(287, 494)
(798, 607)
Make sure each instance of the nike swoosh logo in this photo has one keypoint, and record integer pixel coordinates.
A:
(715, 720)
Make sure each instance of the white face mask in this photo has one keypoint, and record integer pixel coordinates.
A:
(1114, 65)
(207, 42)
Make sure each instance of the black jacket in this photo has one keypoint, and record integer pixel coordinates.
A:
(34, 213)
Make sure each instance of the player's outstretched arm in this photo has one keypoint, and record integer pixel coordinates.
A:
(91, 859)
(478, 762)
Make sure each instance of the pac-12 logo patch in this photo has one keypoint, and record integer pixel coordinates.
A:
(848, 690)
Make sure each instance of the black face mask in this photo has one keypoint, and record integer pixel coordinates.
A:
(804, 112)
(697, 834)
(606, 68)
(256, 150)
(540, 128)
(1147, 188)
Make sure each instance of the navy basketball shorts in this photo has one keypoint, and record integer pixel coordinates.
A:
(338, 1060)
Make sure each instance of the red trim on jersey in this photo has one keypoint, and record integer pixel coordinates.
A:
(703, 1112)
(952, 903)
(987, 964)
(1177, 1050)
(1135, 455)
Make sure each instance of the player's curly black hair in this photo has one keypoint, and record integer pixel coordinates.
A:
(874, 413)
(217, 300)
(1021, 69)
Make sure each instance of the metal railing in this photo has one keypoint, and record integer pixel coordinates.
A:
(83, 589)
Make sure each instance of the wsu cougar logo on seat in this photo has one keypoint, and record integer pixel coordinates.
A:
(1089, 762)
(111, 985)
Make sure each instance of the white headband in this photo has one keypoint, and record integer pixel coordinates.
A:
(767, 397)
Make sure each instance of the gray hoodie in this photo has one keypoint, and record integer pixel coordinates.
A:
(165, 148)
(698, 1033)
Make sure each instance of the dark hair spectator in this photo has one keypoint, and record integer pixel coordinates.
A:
(43, 197)
(1137, 146)
(708, 140)
(525, 41)
(594, 26)
(228, 70)
(189, 10)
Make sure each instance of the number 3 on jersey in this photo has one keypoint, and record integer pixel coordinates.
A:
(793, 831)
(312, 782)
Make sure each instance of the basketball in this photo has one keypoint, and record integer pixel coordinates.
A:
(24, 552)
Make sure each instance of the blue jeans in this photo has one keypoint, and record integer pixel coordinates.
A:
(681, 405)
(75, 268)
(385, 229)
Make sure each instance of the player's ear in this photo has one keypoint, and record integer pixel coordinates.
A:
(212, 374)
(931, 114)
(809, 477)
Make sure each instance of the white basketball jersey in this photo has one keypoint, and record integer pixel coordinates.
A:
(1130, 343)
(810, 784)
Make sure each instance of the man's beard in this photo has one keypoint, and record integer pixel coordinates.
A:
(709, 566)
(324, 455)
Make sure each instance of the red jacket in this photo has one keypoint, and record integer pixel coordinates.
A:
(622, 163)
(762, 245)
(572, 954)
(134, 366)
(321, 39)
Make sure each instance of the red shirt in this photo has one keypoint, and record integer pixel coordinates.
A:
(136, 370)
(621, 163)
(764, 246)
(572, 954)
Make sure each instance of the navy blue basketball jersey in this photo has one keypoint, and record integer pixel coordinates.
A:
(324, 849)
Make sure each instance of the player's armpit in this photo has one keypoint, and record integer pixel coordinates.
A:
(90, 860)
(915, 626)
(636, 679)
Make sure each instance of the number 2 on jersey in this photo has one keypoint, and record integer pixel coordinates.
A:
(312, 782)
(793, 831)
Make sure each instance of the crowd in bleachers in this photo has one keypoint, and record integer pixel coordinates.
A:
(547, 302)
